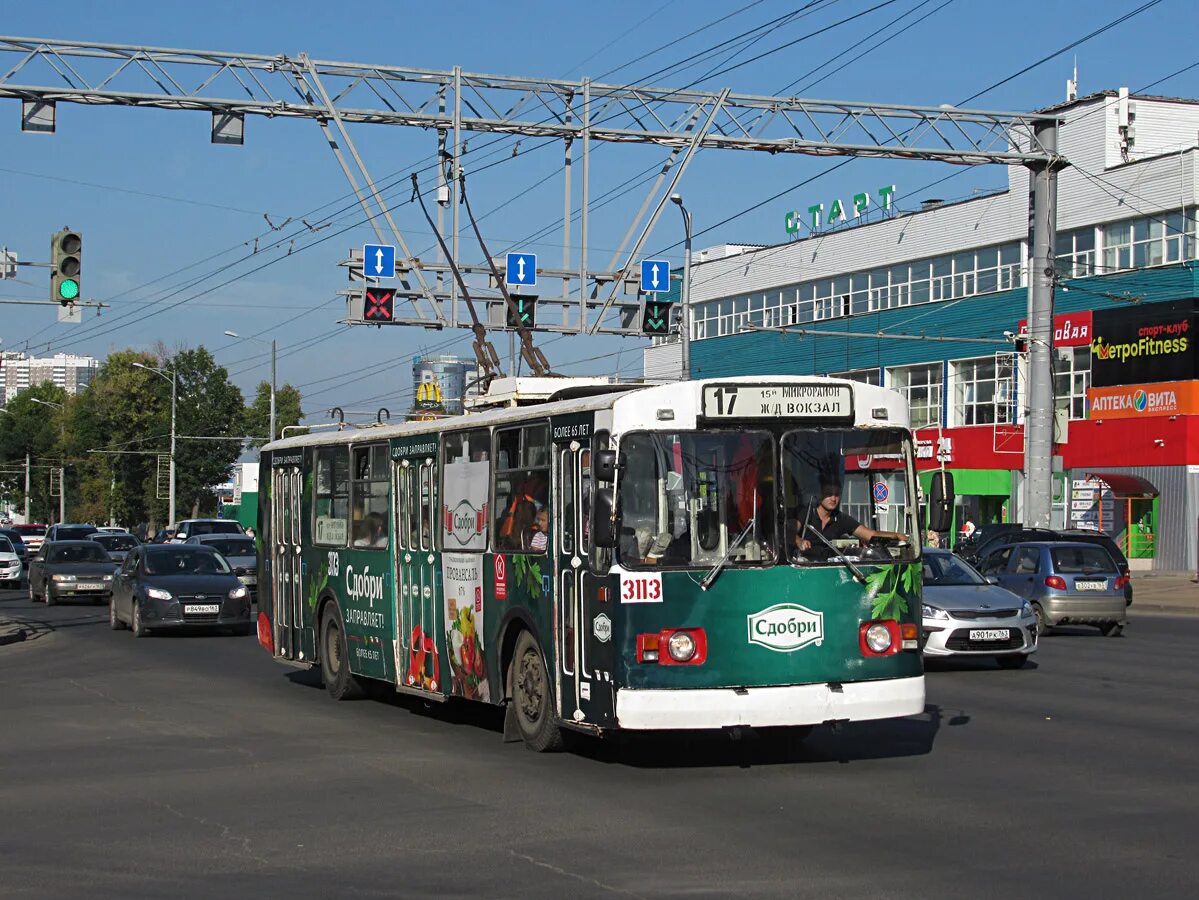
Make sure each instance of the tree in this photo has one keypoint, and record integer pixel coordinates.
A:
(258, 413)
(28, 427)
(209, 406)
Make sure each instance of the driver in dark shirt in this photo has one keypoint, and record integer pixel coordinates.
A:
(827, 518)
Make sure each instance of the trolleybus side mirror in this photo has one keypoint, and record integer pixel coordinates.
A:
(603, 534)
(605, 466)
(941, 502)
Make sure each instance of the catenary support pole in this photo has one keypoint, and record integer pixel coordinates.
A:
(1038, 425)
(273, 349)
(27, 487)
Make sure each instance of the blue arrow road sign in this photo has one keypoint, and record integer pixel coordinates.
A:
(655, 276)
(379, 261)
(522, 269)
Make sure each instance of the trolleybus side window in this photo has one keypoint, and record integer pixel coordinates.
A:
(426, 506)
(696, 498)
(331, 503)
(600, 557)
(465, 490)
(522, 489)
(566, 511)
(369, 505)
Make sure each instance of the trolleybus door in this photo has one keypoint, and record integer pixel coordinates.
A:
(418, 662)
(286, 586)
(583, 623)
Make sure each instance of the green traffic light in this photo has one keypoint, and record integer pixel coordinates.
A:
(68, 289)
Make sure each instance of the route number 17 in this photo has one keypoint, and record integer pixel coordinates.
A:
(726, 399)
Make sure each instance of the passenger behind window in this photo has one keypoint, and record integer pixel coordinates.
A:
(372, 531)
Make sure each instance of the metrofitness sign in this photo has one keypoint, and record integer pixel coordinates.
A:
(1150, 343)
(838, 212)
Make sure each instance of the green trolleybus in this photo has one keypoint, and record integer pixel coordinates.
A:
(597, 557)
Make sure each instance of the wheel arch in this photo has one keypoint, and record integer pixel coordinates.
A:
(514, 622)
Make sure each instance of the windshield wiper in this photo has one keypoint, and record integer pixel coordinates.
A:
(715, 571)
(837, 554)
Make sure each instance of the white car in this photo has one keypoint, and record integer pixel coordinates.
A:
(965, 614)
(10, 564)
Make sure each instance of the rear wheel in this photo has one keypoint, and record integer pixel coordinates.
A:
(1043, 625)
(335, 658)
(1012, 661)
(531, 697)
(1112, 629)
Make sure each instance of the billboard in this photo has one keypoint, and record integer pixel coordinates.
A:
(1141, 344)
(1136, 401)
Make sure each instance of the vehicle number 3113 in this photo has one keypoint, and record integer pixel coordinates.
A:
(641, 588)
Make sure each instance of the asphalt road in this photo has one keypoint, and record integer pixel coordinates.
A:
(193, 766)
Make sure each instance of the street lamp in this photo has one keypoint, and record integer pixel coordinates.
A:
(173, 378)
(685, 290)
(234, 334)
(62, 472)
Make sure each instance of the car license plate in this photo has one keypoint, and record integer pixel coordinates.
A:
(202, 609)
(990, 634)
(89, 586)
(1090, 585)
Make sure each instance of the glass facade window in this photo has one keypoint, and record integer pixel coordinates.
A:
(982, 394)
(982, 271)
(861, 376)
(921, 386)
(1149, 241)
(1071, 378)
(1076, 253)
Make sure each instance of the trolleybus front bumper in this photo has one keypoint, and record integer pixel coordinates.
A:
(801, 704)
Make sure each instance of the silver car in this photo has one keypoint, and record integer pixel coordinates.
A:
(1066, 583)
(965, 614)
(241, 553)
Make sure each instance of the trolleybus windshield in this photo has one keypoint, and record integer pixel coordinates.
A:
(689, 499)
(869, 472)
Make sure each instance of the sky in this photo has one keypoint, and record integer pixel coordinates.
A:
(181, 236)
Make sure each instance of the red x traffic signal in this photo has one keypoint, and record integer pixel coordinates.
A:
(380, 304)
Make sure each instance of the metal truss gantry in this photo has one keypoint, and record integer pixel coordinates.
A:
(455, 104)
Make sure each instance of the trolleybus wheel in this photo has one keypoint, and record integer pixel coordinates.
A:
(335, 658)
(531, 697)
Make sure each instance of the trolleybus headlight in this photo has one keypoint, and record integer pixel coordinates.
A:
(681, 646)
(878, 637)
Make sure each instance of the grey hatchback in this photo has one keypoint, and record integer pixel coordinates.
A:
(1066, 583)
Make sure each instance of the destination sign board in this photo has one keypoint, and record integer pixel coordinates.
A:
(773, 401)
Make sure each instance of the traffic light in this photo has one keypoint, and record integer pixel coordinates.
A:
(66, 252)
(380, 305)
(655, 317)
(521, 312)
